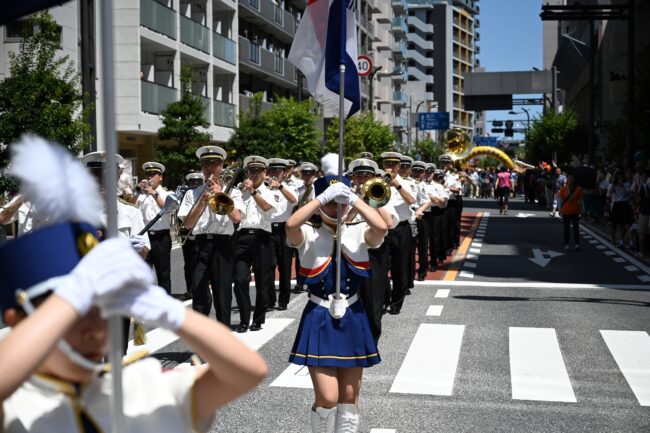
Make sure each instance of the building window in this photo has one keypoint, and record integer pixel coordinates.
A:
(15, 30)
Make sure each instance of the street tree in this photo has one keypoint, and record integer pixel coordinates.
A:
(551, 134)
(362, 133)
(295, 122)
(183, 130)
(428, 150)
(253, 136)
(42, 95)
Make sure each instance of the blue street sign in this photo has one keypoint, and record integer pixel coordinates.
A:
(485, 141)
(428, 121)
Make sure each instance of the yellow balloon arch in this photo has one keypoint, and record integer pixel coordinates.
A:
(491, 151)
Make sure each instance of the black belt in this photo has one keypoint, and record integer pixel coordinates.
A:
(278, 224)
(158, 232)
(404, 223)
(211, 236)
(253, 232)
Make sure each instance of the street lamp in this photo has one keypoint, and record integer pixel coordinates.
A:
(527, 117)
(371, 77)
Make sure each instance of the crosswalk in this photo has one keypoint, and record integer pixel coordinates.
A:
(538, 371)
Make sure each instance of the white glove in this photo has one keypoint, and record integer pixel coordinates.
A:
(137, 242)
(347, 196)
(108, 267)
(150, 305)
(332, 192)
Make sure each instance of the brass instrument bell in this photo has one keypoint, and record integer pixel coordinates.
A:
(376, 192)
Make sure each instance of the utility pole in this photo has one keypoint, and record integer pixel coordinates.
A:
(88, 68)
(371, 92)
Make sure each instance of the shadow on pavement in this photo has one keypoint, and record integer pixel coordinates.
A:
(554, 299)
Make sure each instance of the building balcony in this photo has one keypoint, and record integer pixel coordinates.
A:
(400, 6)
(417, 23)
(155, 97)
(477, 49)
(374, 6)
(223, 48)
(400, 50)
(400, 98)
(245, 102)
(273, 18)
(400, 122)
(224, 114)
(399, 27)
(477, 23)
(265, 64)
(420, 59)
(158, 17)
(477, 36)
(195, 35)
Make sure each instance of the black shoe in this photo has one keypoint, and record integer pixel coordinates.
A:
(449, 252)
(242, 328)
(408, 292)
(183, 296)
(432, 268)
(256, 326)
(421, 277)
(270, 308)
(394, 311)
(281, 307)
(384, 310)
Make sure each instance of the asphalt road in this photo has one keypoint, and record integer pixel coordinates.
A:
(518, 341)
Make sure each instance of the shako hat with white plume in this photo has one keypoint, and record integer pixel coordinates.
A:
(330, 166)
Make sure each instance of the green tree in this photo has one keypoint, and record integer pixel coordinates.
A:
(181, 122)
(253, 136)
(42, 94)
(362, 133)
(551, 134)
(428, 150)
(297, 136)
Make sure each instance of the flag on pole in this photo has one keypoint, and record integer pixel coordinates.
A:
(327, 37)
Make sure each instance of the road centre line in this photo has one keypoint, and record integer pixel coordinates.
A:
(531, 285)
(631, 268)
(442, 293)
(471, 265)
(383, 430)
(434, 310)
(475, 250)
(466, 274)
(451, 274)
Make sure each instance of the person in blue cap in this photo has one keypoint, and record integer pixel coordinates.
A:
(54, 376)
(334, 337)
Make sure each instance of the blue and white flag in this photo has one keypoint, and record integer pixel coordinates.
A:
(327, 37)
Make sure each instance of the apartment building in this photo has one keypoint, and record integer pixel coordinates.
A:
(442, 46)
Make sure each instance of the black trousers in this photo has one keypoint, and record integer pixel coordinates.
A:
(424, 234)
(253, 249)
(188, 263)
(413, 242)
(437, 234)
(398, 240)
(159, 257)
(281, 258)
(573, 219)
(373, 288)
(213, 264)
(459, 218)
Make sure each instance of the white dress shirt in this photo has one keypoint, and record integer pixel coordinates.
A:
(402, 208)
(283, 208)
(452, 181)
(253, 217)
(209, 222)
(437, 190)
(149, 208)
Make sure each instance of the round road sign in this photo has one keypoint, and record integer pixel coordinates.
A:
(364, 65)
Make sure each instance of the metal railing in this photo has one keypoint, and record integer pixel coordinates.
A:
(223, 48)
(278, 64)
(195, 35)
(399, 24)
(401, 97)
(156, 97)
(224, 114)
(254, 52)
(158, 18)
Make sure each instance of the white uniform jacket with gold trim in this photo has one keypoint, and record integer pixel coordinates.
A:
(154, 401)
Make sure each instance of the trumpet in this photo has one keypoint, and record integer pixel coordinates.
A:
(376, 192)
(267, 181)
(220, 202)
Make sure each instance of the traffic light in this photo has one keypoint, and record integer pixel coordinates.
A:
(508, 132)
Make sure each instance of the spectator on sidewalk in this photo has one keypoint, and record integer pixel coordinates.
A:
(619, 195)
(571, 195)
(559, 180)
(644, 216)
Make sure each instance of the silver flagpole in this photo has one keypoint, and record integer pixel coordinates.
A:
(110, 181)
(339, 207)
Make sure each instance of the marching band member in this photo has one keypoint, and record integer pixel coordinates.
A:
(150, 202)
(308, 173)
(373, 288)
(334, 338)
(56, 308)
(285, 199)
(438, 241)
(290, 177)
(405, 173)
(194, 180)
(253, 247)
(452, 183)
(213, 237)
(418, 169)
(17, 209)
(399, 237)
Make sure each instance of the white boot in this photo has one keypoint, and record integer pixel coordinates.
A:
(347, 419)
(323, 420)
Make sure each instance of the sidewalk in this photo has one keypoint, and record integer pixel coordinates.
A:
(601, 227)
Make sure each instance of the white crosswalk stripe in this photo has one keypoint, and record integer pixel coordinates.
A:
(631, 350)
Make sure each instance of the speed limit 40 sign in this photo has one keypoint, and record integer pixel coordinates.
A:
(364, 65)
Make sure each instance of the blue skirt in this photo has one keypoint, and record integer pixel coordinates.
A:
(323, 341)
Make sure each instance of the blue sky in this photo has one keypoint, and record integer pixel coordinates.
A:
(511, 40)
